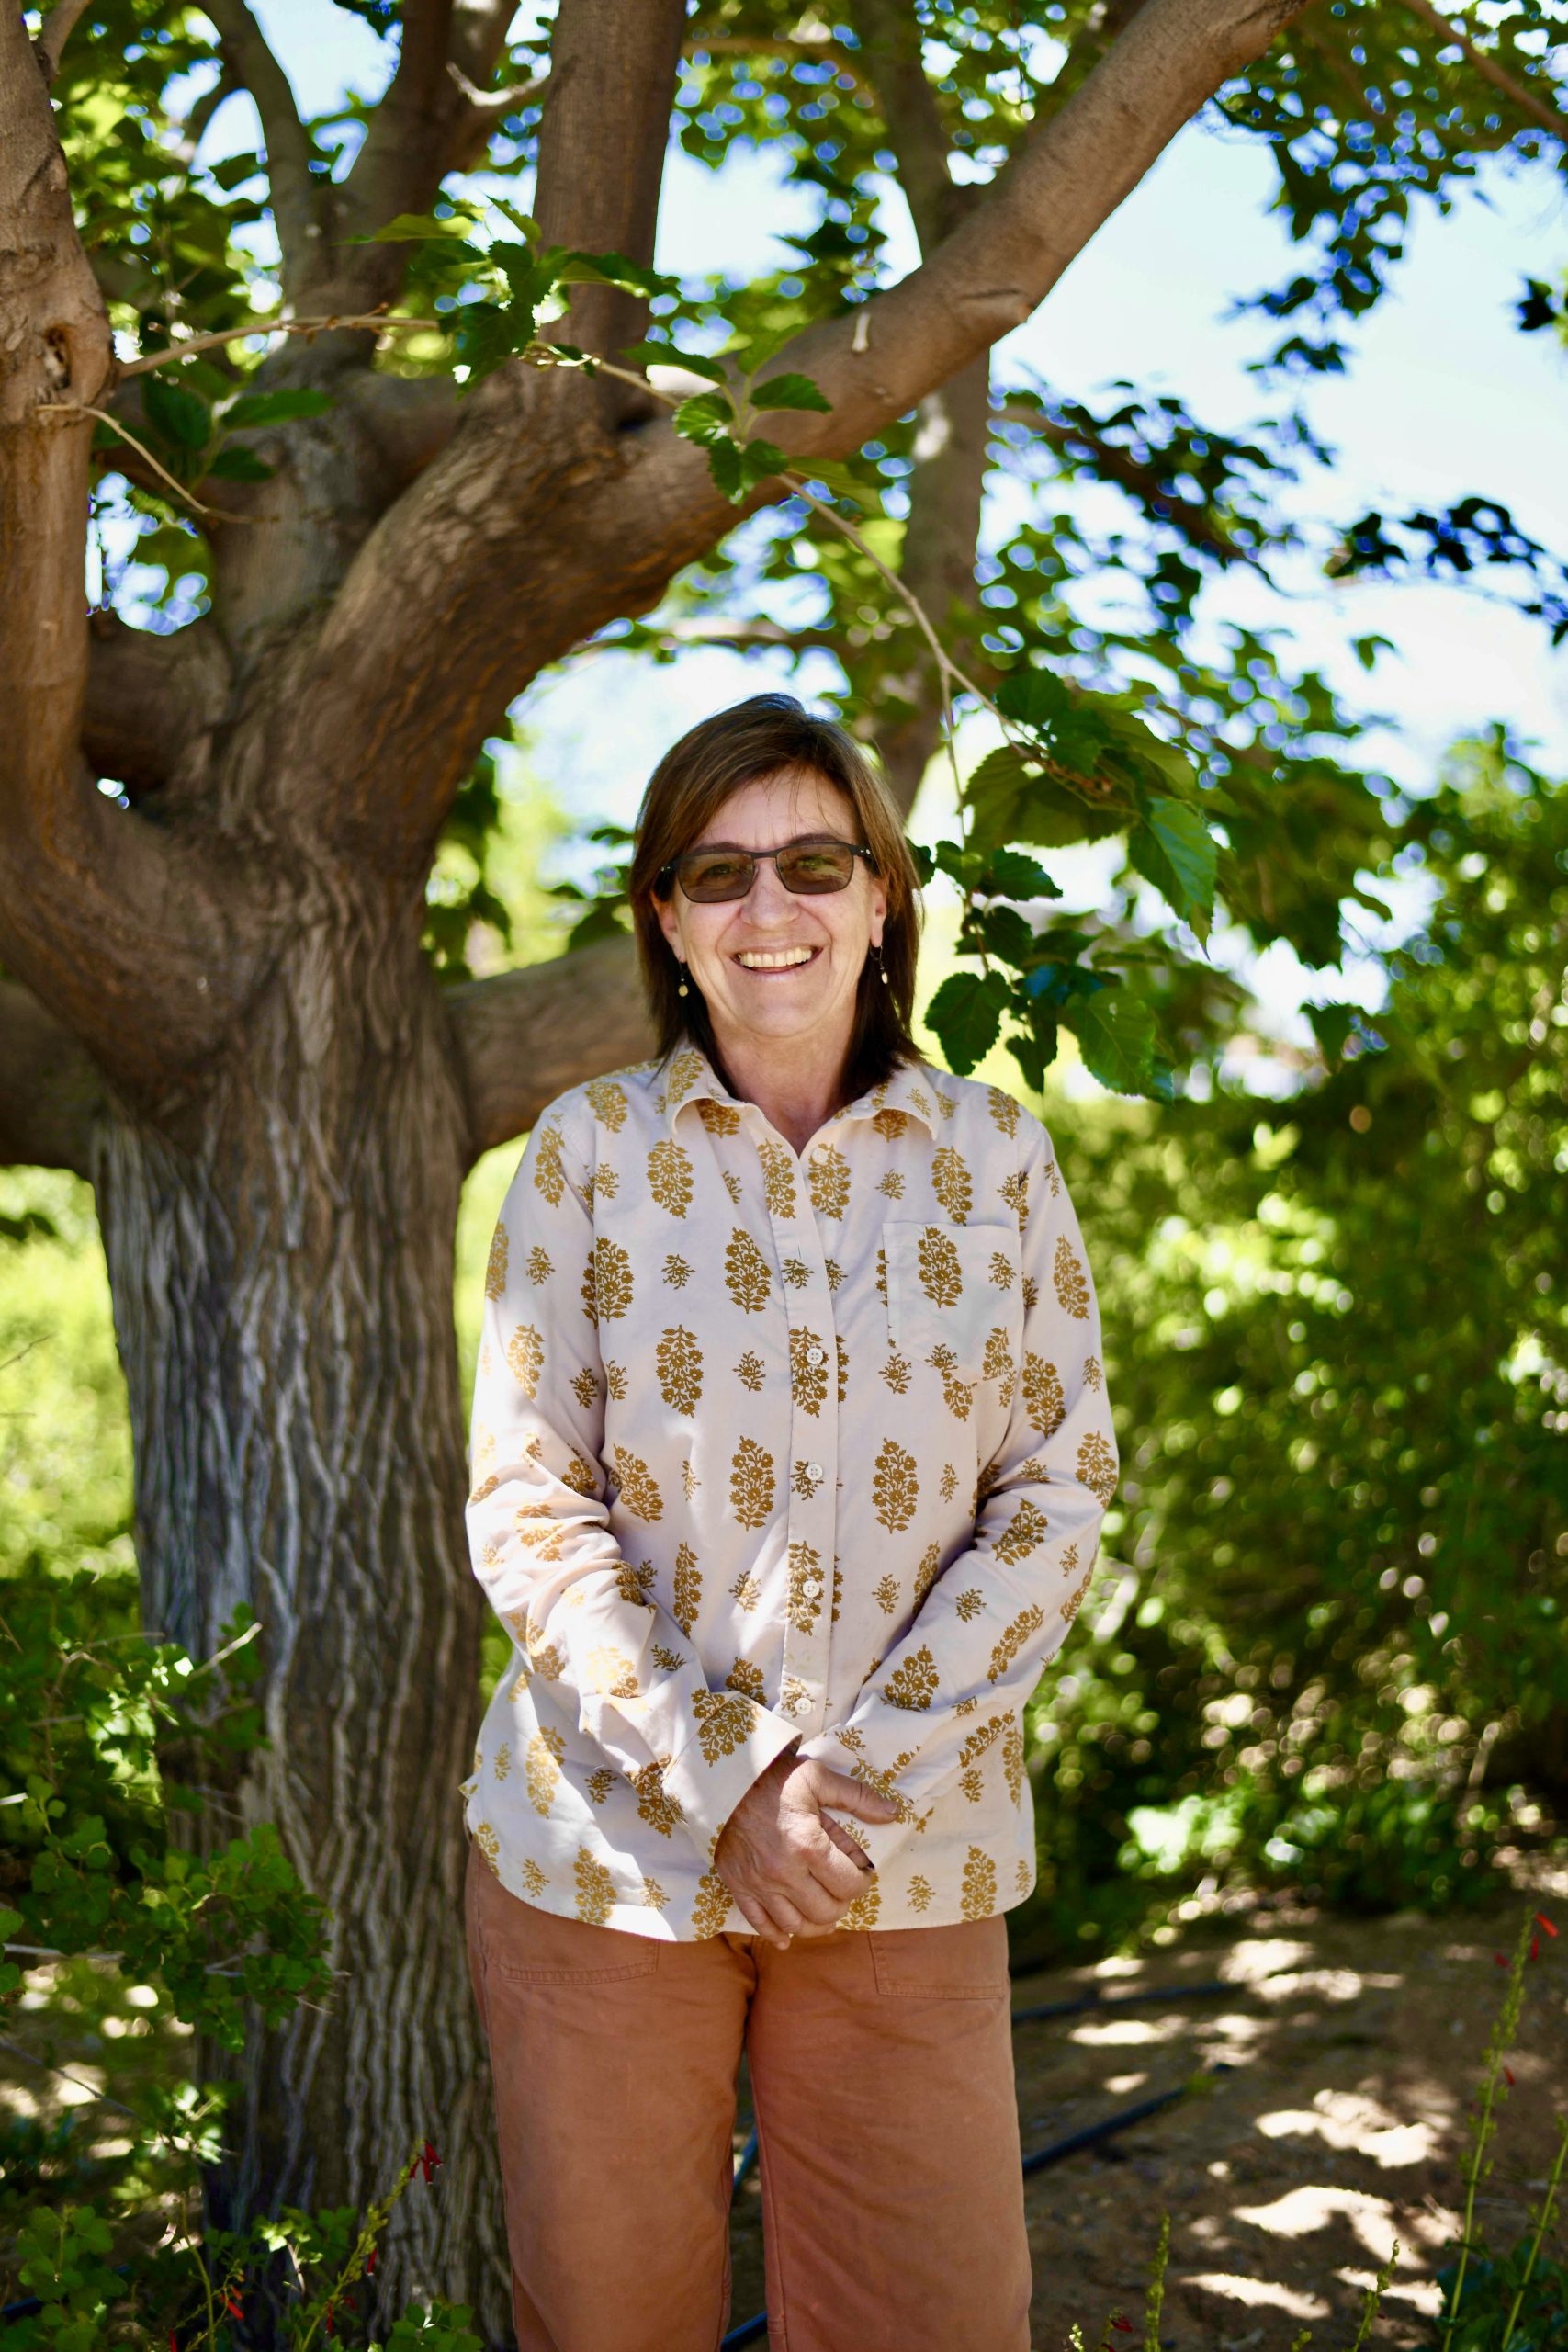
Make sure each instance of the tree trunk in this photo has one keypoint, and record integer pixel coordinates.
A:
(281, 1257)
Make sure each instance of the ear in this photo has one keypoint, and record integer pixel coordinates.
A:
(669, 920)
(878, 912)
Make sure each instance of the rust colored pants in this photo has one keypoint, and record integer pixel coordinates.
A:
(882, 2075)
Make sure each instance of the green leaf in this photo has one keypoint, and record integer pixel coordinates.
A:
(1174, 849)
(965, 1015)
(177, 417)
(576, 268)
(707, 417)
(666, 355)
(1012, 874)
(1115, 1030)
(790, 391)
(234, 462)
(273, 408)
(524, 223)
(410, 228)
(1331, 1025)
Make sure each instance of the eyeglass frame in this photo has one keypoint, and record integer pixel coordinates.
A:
(805, 841)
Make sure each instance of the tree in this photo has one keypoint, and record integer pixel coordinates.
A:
(226, 1004)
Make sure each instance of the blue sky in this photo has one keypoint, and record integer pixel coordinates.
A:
(1444, 397)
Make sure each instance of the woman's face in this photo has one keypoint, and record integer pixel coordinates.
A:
(729, 947)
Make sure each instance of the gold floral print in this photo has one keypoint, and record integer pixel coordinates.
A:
(895, 1487)
(1072, 1283)
(1024, 1531)
(608, 1102)
(687, 1597)
(1003, 1110)
(723, 1722)
(804, 1603)
(1097, 1465)
(541, 1768)
(595, 1889)
(654, 1803)
(612, 1403)
(914, 1684)
(926, 1573)
(778, 1178)
(678, 1361)
(979, 1885)
(1028, 1621)
(495, 1271)
(746, 1272)
(862, 1913)
(489, 1843)
(1043, 1399)
(640, 1488)
(711, 1909)
(952, 1184)
(828, 1181)
(936, 1260)
(751, 1484)
(808, 1371)
(549, 1171)
(670, 1177)
(525, 1357)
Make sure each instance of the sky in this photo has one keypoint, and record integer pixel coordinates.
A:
(1444, 397)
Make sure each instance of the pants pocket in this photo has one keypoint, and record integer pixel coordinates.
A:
(967, 1961)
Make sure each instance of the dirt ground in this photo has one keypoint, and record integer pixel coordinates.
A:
(1349, 2049)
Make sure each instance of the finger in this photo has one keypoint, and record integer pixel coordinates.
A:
(786, 1915)
(840, 1878)
(839, 1837)
(853, 1797)
(759, 1921)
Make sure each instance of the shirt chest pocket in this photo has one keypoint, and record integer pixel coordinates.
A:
(953, 1288)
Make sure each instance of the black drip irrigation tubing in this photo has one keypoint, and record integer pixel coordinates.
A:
(752, 2331)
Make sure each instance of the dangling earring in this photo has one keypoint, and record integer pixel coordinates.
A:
(881, 967)
(683, 989)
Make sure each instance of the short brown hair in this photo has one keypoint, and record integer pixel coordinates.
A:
(764, 736)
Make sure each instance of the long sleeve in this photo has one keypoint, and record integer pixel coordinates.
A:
(954, 1682)
(541, 1539)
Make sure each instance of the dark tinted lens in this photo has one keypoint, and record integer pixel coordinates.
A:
(816, 866)
(716, 874)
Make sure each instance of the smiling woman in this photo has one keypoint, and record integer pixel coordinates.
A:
(753, 1777)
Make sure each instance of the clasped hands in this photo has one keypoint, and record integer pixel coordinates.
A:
(792, 1869)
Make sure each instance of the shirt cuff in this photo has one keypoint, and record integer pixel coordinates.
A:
(736, 1740)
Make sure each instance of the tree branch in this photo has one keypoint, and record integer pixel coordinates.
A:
(1550, 118)
(533, 529)
(296, 206)
(58, 27)
(803, 46)
(152, 703)
(523, 1037)
(602, 141)
(51, 1088)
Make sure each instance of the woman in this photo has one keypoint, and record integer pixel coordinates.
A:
(790, 1450)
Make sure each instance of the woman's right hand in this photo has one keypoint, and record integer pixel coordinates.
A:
(792, 1870)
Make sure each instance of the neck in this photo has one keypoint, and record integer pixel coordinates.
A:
(796, 1083)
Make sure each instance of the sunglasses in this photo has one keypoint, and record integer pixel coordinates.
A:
(808, 868)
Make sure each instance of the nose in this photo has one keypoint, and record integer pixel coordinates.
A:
(768, 902)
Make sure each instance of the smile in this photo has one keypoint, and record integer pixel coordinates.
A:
(775, 959)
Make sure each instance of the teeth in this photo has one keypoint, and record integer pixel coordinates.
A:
(755, 960)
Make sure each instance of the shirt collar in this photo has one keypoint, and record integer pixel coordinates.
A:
(689, 1077)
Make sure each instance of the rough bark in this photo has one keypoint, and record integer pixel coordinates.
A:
(282, 1285)
(51, 1093)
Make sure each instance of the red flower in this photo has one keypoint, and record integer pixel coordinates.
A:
(174, 2341)
(328, 2322)
(1542, 1920)
(370, 2262)
(428, 2160)
(1501, 1959)
(1509, 2071)
(233, 2305)
(1535, 1947)
(1122, 2322)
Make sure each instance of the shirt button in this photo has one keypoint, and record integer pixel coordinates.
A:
(800, 1706)
(812, 1588)
(814, 1470)
(816, 1355)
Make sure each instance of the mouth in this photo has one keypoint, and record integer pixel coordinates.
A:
(773, 963)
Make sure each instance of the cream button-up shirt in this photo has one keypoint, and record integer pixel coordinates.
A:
(771, 1448)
